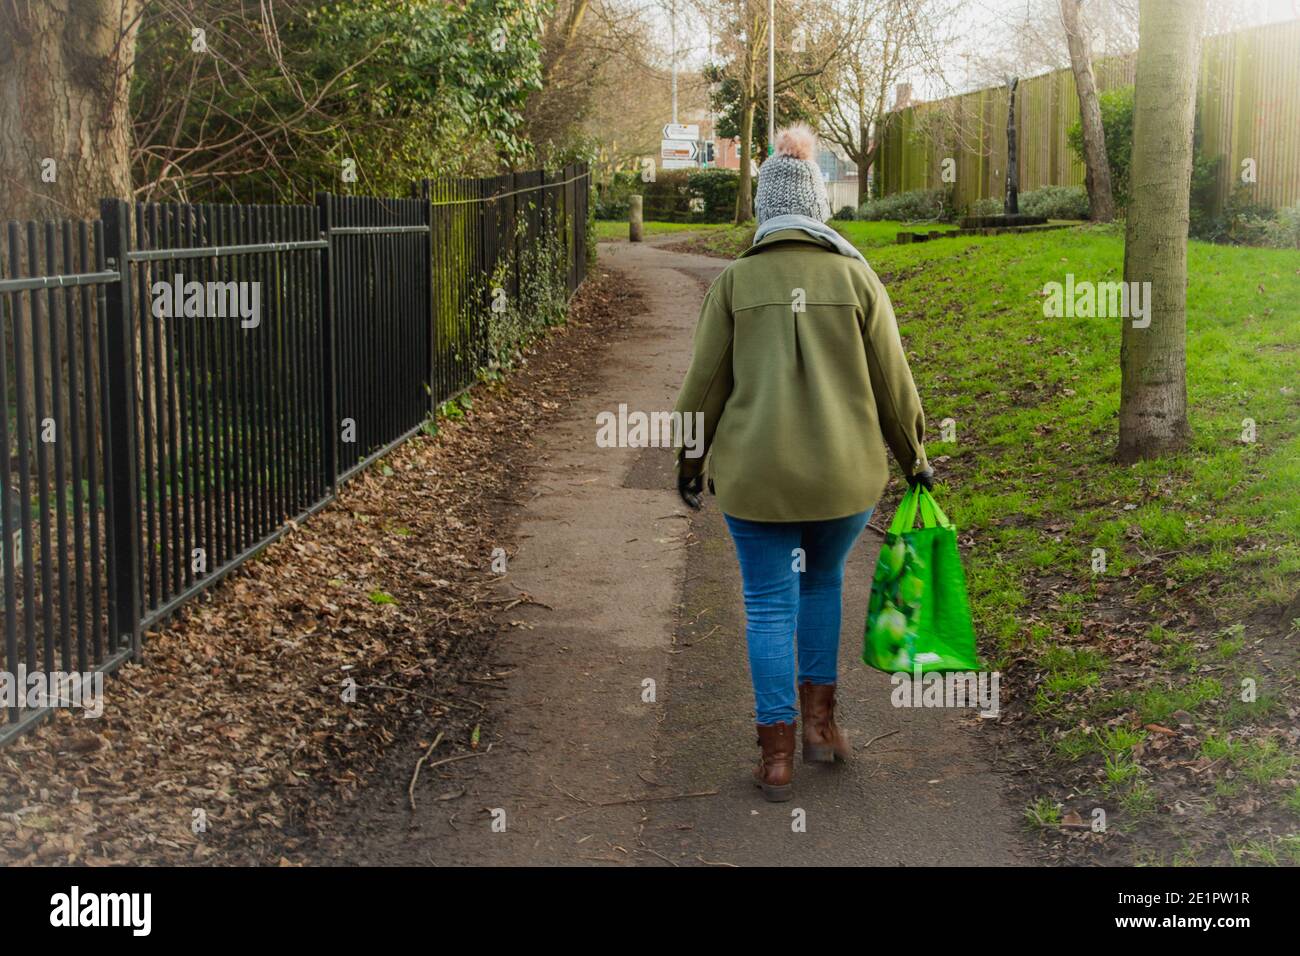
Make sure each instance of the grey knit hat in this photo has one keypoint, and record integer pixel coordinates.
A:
(789, 182)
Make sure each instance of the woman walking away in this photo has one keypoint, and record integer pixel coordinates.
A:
(799, 373)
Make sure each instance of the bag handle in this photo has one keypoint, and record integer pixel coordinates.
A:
(918, 498)
(906, 513)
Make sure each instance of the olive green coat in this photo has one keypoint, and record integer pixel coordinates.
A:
(800, 375)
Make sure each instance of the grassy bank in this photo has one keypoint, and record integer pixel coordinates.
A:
(1146, 616)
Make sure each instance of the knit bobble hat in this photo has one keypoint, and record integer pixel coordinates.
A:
(789, 182)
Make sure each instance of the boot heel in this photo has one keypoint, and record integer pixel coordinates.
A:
(818, 753)
(777, 794)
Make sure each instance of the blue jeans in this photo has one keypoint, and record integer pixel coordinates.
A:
(781, 599)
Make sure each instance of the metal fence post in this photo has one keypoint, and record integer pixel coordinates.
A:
(329, 365)
(427, 265)
(120, 444)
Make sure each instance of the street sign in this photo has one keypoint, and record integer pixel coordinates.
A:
(681, 131)
(678, 164)
(678, 149)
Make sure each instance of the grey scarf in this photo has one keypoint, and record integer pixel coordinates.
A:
(818, 230)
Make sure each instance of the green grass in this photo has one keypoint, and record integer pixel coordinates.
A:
(617, 229)
(1293, 800)
(1032, 483)
(868, 235)
(1043, 813)
(1036, 402)
(728, 241)
(1259, 761)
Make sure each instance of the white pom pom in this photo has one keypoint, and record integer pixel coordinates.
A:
(797, 141)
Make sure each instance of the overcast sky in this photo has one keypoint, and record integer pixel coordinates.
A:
(977, 23)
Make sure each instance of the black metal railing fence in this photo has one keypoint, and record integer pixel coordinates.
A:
(182, 381)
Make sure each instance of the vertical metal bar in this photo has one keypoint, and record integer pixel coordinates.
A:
(347, 358)
(280, 367)
(147, 419)
(53, 266)
(292, 403)
(196, 482)
(354, 282)
(313, 314)
(11, 528)
(257, 385)
(182, 392)
(329, 266)
(294, 309)
(78, 576)
(106, 638)
(228, 425)
(214, 374)
(169, 368)
(313, 374)
(93, 399)
(240, 386)
(24, 454)
(42, 464)
(264, 345)
(124, 606)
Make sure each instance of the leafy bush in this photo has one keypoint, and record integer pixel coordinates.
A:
(668, 198)
(676, 195)
(1051, 202)
(1117, 126)
(845, 213)
(612, 197)
(918, 204)
(1241, 222)
(718, 189)
(1056, 202)
(1283, 232)
(1202, 221)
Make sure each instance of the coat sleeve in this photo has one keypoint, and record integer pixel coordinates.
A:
(898, 406)
(709, 379)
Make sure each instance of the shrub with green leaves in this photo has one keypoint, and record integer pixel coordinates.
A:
(612, 197)
(1117, 126)
(1055, 202)
(1244, 221)
(916, 205)
(717, 188)
(1283, 231)
(1051, 202)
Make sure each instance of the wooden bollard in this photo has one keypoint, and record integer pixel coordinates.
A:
(634, 224)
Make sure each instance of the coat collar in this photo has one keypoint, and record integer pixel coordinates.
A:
(785, 235)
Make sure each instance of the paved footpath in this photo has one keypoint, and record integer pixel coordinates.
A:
(584, 770)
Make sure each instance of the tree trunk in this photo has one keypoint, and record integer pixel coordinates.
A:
(745, 194)
(65, 70)
(1011, 199)
(1101, 204)
(864, 157)
(64, 143)
(1153, 359)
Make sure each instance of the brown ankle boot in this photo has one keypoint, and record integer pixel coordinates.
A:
(775, 767)
(822, 740)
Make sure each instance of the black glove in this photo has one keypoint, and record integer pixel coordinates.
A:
(925, 479)
(690, 489)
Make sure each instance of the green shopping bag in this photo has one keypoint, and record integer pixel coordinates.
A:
(919, 618)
